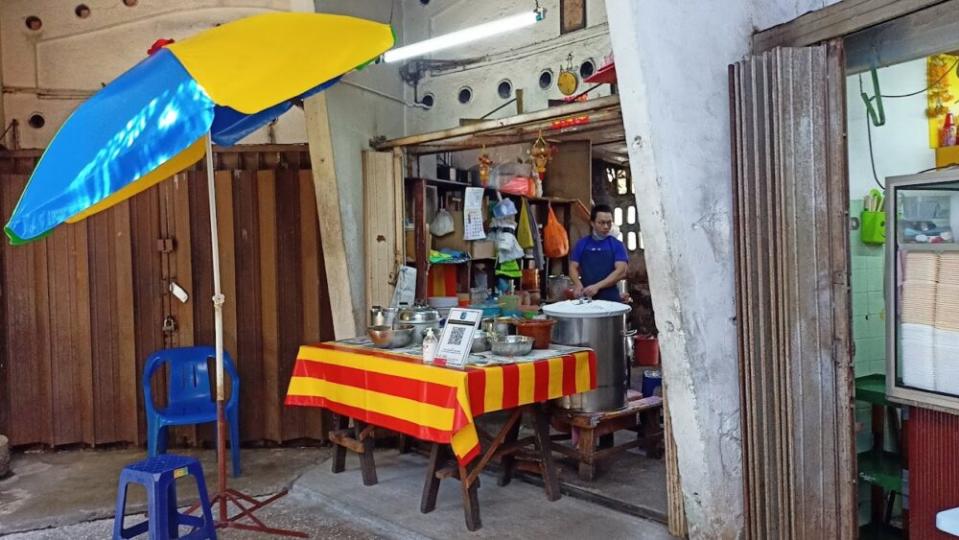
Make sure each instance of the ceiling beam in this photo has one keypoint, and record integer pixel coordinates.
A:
(834, 21)
(497, 124)
(933, 30)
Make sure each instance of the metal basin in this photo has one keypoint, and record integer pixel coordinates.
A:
(511, 345)
(390, 337)
(480, 342)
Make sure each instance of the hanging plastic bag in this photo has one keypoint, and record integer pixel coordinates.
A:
(524, 233)
(504, 208)
(442, 223)
(555, 237)
(507, 248)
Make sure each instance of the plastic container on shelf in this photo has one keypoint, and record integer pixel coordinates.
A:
(443, 301)
(489, 310)
(645, 351)
(509, 303)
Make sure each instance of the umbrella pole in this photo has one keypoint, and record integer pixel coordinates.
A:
(246, 504)
(218, 300)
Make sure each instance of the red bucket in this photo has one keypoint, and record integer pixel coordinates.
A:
(645, 351)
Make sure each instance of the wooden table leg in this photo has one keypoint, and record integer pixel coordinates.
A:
(509, 460)
(339, 451)
(432, 485)
(652, 434)
(367, 460)
(404, 443)
(471, 508)
(543, 443)
(587, 447)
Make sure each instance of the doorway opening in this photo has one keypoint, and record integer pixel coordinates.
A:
(622, 463)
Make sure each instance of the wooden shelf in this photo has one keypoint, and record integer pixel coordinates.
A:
(490, 191)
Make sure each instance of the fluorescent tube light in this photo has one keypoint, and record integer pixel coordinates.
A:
(466, 35)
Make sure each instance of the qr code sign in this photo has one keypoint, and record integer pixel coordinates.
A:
(456, 335)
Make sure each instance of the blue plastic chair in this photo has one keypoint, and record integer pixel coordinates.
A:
(189, 398)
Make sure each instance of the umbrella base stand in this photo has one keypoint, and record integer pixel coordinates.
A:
(247, 505)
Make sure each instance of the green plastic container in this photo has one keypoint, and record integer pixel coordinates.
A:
(872, 227)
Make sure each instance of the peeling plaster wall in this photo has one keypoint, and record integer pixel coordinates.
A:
(52, 70)
(518, 56)
(358, 114)
(672, 62)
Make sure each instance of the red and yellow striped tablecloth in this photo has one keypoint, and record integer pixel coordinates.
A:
(428, 402)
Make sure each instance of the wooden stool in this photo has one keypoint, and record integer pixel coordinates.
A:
(360, 442)
(640, 415)
(505, 445)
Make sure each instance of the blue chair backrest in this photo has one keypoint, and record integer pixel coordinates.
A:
(189, 376)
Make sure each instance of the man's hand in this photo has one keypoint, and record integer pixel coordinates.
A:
(577, 291)
(590, 291)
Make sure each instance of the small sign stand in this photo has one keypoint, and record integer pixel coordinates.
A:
(456, 340)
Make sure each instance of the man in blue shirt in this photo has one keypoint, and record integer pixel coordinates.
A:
(598, 261)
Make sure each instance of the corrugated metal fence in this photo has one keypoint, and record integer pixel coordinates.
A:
(82, 309)
(933, 441)
(793, 297)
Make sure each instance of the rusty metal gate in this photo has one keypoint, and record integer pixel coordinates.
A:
(81, 309)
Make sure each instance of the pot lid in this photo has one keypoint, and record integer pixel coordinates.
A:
(586, 309)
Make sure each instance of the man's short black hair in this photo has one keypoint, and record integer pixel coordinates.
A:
(599, 208)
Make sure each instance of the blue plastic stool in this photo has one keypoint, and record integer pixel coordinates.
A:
(158, 475)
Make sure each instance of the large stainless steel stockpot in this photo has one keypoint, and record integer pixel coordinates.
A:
(601, 326)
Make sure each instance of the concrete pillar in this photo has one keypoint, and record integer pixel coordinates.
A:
(671, 60)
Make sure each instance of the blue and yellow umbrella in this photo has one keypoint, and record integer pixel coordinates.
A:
(160, 117)
(153, 120)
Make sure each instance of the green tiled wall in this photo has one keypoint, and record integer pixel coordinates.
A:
(868, 301)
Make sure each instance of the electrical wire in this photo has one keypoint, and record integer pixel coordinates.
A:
(872, 156)
(926, 89)
(942, 168)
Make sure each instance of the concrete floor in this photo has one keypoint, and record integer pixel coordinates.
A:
(631, 482)
(72, 494)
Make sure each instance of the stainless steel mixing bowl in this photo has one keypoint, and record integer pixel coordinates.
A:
(391, 337)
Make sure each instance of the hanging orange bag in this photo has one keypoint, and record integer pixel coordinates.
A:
(555, 237)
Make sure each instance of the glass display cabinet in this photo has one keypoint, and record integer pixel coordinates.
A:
(922, 289)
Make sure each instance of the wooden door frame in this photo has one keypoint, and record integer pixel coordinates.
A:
(835, 21)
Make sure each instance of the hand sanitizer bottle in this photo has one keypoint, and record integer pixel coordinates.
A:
(429, 346)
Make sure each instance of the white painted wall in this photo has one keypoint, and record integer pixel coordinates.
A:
(902, 145)
(52, 70)
(671, 61)
(519, 56)
(357, 115)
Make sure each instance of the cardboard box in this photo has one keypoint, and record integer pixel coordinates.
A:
(483, 249)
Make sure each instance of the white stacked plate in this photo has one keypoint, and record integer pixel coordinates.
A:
(918, 302)
(947, 306)
(948, 268)
(918, 355)
(918, 365)
(920, 266)
(947, 362)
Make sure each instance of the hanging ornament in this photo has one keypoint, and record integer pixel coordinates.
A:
(484, 167)
(567, 81)
(540, 152)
